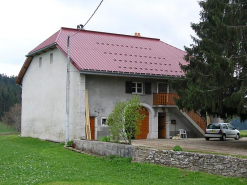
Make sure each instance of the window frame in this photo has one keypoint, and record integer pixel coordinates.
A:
(136, 88)
(101, 121)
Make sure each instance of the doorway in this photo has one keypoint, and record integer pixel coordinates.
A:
(162, 88)
(92, 128)
(145, 125)
(162, 125)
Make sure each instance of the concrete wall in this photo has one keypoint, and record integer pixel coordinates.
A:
(106, 91)
(105, 148)
(44, 99)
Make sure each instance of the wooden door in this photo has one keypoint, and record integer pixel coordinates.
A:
(92, 128)
(162, 126)
(162, 87)
(145, 126)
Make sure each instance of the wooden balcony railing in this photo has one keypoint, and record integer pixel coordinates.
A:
(168, 99)
(164, 98)
(196, 117)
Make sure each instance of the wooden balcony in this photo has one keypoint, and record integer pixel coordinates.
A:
(164, 98)
(168, 99)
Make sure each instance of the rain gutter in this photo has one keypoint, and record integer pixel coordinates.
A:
(105, 73)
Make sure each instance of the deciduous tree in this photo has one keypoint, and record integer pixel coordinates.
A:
(13, 117)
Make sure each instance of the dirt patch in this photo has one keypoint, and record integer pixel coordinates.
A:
(230, 146)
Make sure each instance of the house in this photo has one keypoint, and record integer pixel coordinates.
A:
(112, 68)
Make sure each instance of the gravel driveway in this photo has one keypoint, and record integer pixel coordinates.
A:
(230, 146)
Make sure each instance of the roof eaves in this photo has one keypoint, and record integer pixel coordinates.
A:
(23, 70)
(126, 74)
(44, 49)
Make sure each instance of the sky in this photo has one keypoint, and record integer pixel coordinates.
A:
(24, 24)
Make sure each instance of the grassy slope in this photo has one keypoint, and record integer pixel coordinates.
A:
(31, 161)
(4, 130)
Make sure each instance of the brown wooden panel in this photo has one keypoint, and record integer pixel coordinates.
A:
(92, 128)
(162, 126)
(145, 126)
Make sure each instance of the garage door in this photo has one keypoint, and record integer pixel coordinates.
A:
(145, 125)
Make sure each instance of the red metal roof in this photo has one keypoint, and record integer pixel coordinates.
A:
(108, 52)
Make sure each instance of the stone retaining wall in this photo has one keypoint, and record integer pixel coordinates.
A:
(215, 164)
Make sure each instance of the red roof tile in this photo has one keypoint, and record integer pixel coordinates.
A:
(98, 51)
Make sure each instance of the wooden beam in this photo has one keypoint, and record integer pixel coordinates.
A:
(87, 120)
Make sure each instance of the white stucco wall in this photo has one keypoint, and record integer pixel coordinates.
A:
(44, 99)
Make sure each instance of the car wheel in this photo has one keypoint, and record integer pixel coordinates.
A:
(207, 138)
(237, 137)
(223, 138)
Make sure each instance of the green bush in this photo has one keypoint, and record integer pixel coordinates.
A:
(69, 143)
(177, 148)
(125, 120)
(105, 139)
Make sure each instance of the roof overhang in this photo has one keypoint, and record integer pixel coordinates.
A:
(121, 74)
(23, 70)
(42, 50)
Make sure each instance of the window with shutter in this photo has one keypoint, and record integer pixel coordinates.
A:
(148, 88)
(128, 87)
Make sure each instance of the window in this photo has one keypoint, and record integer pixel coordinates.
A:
(138, 87)
(103, 121)
(51, 58)
(40, 61)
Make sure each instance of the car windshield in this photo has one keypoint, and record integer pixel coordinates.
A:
(213, 126)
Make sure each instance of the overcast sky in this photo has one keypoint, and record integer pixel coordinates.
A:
(27, 23)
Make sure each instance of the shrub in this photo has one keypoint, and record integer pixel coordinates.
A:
(125, 120)
(69, 143)
(177, 148)
(105, 139)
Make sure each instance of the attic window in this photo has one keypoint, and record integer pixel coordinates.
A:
(40, 61)
(51, 58)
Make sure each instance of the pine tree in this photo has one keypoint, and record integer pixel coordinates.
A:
(215, 78)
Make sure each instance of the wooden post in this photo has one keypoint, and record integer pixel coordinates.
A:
(87, 120)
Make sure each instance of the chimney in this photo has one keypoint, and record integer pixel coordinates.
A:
(137, 34)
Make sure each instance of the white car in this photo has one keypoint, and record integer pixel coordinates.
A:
(222, 131)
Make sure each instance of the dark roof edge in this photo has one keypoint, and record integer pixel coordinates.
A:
(41, 50)
(107, 73)
(108, 33)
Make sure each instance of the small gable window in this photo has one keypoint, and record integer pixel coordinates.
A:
(40, 61)
(51, 58)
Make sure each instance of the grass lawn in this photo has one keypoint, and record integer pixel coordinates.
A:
(243, 133)
(32, 161)
(4, 129)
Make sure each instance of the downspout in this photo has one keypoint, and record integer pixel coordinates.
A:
(67, 92)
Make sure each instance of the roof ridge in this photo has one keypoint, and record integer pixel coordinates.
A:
(108, 33)
(58, 35)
